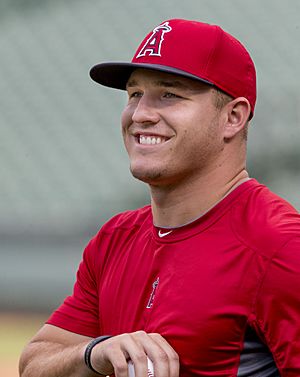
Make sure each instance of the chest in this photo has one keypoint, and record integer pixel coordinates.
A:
(197, 293)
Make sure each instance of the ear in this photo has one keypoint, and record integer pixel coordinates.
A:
(237, 114)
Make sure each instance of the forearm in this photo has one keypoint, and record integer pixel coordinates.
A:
(55, 353)
(46, 359)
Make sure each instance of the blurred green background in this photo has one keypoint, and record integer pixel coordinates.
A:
(63, 168)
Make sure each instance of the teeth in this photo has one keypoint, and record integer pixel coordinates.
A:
(150, 140)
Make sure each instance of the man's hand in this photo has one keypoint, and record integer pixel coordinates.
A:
(112, 355)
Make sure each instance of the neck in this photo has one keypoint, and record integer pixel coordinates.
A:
(175, 206)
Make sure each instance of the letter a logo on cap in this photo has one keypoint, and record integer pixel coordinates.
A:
(153, 43)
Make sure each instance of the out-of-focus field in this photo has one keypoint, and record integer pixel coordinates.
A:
(15, 331)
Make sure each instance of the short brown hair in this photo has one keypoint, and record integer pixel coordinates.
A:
(220, 98)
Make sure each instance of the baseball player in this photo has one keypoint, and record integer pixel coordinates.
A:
(205, 281)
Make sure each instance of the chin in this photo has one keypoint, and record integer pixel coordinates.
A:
(147, 175)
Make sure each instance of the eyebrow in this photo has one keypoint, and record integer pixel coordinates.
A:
(161, 83)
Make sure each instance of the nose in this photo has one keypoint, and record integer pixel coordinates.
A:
(145, 111)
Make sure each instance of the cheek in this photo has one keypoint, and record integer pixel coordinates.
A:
(126, 121)
(126, 118)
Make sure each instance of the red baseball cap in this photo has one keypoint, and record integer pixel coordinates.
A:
(191, 49)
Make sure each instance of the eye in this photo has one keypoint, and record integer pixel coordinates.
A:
(170, 95)
(135, 94)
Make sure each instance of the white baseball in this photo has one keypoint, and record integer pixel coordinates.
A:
(131, 368)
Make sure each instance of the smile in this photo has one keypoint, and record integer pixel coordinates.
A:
(151, 140)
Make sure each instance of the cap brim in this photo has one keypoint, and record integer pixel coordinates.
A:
(116, 74)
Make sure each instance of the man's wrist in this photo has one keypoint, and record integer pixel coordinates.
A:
(88, 351)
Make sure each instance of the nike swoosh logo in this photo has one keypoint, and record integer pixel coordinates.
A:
(161, 234)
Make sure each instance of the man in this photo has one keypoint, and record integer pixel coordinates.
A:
(205, 281)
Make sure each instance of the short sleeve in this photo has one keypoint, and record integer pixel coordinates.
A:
(79, 312)
(277, 311)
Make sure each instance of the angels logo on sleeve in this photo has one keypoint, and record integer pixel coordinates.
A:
(154, 42)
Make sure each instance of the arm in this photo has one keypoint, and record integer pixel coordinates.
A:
(56, 352)
(278, 308)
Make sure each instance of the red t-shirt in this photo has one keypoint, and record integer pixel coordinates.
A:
(200, 285)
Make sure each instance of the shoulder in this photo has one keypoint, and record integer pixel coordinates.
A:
(122, 223)
(263, 220)
(128, 219)
(115, 232)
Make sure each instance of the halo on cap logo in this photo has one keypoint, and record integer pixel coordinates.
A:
(153, 44)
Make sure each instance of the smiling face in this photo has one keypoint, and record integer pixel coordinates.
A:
(170, 127)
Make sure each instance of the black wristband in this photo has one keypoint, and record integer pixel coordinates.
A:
(89, 348)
